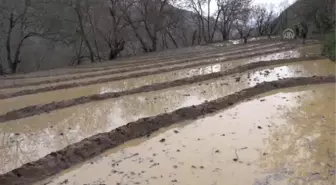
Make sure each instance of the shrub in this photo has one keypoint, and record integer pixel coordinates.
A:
(329, 45)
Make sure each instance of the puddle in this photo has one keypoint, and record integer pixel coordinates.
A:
(284, 137)
(29, 139)
(70, 93)
(5, 82)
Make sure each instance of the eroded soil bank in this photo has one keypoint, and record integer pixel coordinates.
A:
(283, 137)
(90, 147)
(17, 110)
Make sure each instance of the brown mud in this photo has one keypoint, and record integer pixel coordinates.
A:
(133, 75)
(46, 108)
(113, 70)
(95, 145)
(138, 62)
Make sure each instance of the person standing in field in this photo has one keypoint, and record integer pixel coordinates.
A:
(304, 32)
(297, 31)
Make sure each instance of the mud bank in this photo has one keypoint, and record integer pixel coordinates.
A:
(40, 109)
(136, 67)
(95, 145)
(138, 62)
(133, 75)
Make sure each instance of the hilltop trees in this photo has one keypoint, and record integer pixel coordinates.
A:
(39, 34)
(264, 16)
(20, 21)
(244, 24)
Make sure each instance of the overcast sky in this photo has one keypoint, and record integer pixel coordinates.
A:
(276, 3)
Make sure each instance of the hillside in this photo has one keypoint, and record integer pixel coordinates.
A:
(318, 14)
(56, 34)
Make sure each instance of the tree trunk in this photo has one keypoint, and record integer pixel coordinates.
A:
(80, 20)
(203, 30)
(194, 37)
(215, 26)
(224, 36)
(172, 39)
(116, 49)
(1, 70)
(93, 30)
(77, 60)
(154, 42)
(8, 43)
(209, 37)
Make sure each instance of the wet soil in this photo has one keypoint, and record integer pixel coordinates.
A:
(90, 147)
(42, 134)
(149, 61)
(288, 140)
(114, 70)
(131, 83)
(46, 108)
(116, 78)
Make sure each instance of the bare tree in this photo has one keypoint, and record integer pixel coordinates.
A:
(263, 17)
(79, 10)
(77, 30)
(230, 9)
(245, 24)
(112, 26)
(22, 20)
(217, 13)
(197, 7)
(152, 16)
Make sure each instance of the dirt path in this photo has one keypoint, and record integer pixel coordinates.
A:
(93, 146)
(136, 67)
(40, 109)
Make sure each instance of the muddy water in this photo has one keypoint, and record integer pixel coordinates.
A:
(30, 138)
(177, 54)
(220, 56)
(70, 93)
(289, 139)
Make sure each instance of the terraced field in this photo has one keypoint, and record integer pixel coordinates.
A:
(202, 115)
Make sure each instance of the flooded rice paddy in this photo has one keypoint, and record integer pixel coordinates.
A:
(28, 139)
(131, 83)
(284, 137)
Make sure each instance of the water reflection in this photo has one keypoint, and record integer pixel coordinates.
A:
(280, 143)
(40, 135)
(70, 93)
(112, 70)
(304, 145)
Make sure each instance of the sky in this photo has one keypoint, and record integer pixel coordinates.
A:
(276, 3)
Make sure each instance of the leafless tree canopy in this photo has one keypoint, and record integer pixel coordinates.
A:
(43, 34)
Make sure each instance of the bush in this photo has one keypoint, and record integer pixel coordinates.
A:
(329, 45)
